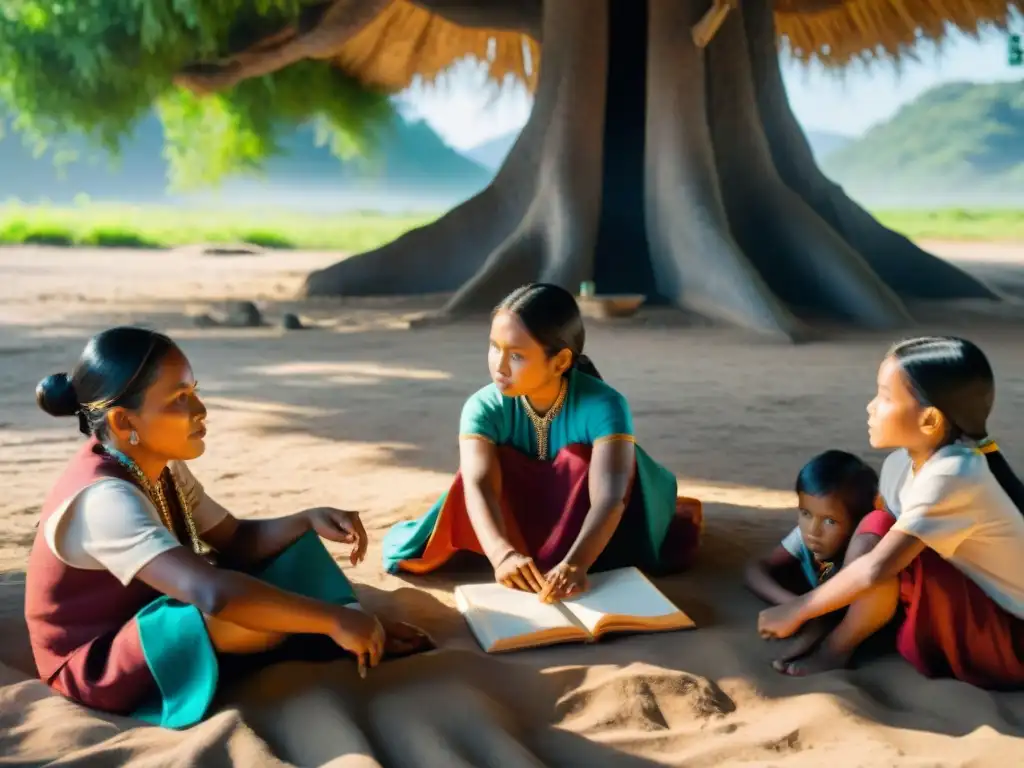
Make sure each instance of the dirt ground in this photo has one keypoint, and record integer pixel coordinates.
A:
(361, 412)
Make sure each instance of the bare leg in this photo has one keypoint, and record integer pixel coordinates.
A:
(813, 633)
(402, 639)
(806, 640)
(866, 616)
(231, 638)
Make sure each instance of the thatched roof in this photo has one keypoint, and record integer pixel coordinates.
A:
(405, 40)
(881, 28)
(402, 40)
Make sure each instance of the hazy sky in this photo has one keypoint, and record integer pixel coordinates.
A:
(465, 112)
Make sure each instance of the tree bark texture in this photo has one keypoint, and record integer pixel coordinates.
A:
(650, 165)
(910, 271)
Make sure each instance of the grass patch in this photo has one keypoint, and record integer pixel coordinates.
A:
(975, 224)
(123, 226)
(101, 225)
(47, 238)
(106, 237)
(267, 240)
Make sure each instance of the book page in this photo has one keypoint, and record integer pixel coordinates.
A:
(499, 616)
(624, 592)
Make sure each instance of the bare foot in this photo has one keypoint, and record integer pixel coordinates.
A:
(806, 640)
(404, 639)
(822, 660)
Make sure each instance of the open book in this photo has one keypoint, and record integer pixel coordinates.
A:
(623, 600)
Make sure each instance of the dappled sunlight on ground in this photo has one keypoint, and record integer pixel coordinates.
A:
(347, 373)
(362, 412)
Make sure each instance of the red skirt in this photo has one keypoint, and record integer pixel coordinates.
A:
(543, 506)
(951, 627)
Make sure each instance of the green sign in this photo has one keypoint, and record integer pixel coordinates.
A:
(1016, 51)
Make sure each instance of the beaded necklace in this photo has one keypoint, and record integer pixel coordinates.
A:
(158, 497)
(542, 424)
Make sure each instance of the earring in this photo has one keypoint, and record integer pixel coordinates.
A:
(133, 438)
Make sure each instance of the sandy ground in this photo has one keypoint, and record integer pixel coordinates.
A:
(362, 413)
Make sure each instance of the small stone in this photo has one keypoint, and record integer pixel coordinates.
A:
(291, 322)
(242, 314)
(429, 320)
(239, 249)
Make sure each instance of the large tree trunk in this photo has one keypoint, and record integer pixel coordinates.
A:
(804, 261)
(910, 271)
(538, 219)
(698, 263)
(650, 165)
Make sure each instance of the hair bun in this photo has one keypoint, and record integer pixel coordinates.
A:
(56, 395)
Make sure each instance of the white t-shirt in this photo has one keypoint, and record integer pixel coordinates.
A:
(955, 506)
(112, 525)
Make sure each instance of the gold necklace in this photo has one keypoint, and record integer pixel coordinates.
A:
(159, 498)
(542, 424)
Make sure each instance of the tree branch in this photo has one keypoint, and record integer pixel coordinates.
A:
(712, 21)
(315, 38)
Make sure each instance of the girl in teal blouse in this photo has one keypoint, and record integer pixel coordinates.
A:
(551, 483)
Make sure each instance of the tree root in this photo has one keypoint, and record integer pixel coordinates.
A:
(908, 270)
(738, 227)
(804, 260)
(538, 219)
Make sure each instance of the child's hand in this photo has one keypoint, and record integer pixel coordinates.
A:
(780, 621)
(563, 581)
(517, 571)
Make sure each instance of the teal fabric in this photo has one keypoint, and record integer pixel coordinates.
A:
(181, 658)
(660, 490)
(794, 544)
(178, 649)
(307, 568)
(592, 410)
(408, 539)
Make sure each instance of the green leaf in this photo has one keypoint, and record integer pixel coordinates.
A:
(95, 68)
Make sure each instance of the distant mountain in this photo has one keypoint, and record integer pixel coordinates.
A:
(959, 144)
(824, 143)
(411, 167)
(491, 154)
(956, 144)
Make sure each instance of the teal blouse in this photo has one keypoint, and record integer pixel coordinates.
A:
(590, 412)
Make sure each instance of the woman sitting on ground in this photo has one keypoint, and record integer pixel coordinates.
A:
(551, 484)
(950, 549)
(127, 611)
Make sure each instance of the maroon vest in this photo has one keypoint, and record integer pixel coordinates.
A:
(74, 615)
